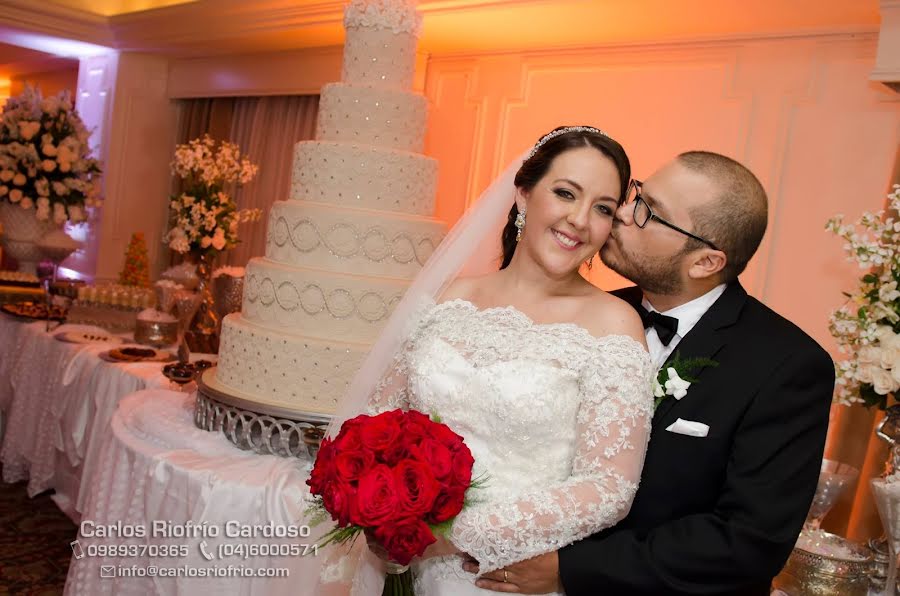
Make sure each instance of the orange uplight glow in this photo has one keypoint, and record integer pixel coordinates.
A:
(574, 23)
(109, 8)
(5, 86)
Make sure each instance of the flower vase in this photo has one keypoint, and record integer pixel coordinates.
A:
(203, 337)
(21, 233)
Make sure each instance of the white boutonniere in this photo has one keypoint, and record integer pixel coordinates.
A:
(675, 379)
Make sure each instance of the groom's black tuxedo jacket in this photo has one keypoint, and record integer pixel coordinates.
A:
(720, 514)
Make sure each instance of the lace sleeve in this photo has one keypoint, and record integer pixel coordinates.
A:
(392, 391)
(613, 429)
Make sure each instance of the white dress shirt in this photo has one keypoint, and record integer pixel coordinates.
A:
(687, 314)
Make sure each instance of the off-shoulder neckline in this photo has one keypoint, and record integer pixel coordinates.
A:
(529, 322)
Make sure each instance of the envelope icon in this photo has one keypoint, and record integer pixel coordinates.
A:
(689, 428)
(107, 570)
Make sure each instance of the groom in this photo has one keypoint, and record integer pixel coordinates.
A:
(732, 466)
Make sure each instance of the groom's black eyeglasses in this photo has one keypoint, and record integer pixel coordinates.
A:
(643, 213)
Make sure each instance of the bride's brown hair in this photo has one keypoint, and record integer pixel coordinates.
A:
(538, 163)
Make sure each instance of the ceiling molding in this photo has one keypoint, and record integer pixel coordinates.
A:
(221, 27)
(54, 20)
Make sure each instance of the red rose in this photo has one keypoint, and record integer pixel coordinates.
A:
(404, 539)
(397, 452)
(462, 467)
(323, 470)
(377, 496)
(416, 487)
(447, 505)
(445, 436)
(349, 439)
(380, 432)
(340, 500)
(415, 426)
(349, 465)
(437, 456)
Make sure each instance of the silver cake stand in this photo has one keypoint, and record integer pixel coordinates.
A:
(252, 426)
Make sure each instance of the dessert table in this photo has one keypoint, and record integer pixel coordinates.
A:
(197, 497)
(56, 402)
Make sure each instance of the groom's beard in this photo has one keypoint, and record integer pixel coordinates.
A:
(656, 276)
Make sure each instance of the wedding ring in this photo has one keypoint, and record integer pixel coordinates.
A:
(505, 576)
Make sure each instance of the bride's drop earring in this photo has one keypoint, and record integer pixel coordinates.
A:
(520, 224)
(590, 263)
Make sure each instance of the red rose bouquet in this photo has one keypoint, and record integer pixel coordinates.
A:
(400, 477)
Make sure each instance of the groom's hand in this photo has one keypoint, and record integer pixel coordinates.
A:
(539, 575)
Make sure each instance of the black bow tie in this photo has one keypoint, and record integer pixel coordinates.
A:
(665, 326)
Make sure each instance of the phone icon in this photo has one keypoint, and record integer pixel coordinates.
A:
(76, 549)
(203, 552)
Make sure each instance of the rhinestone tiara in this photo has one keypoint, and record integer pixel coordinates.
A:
(555, 133)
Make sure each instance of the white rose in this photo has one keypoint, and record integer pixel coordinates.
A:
(26, 203)
(888, 292)
(864, 372)
(75, 213)
(658, 390)
(883, 381)
(218, 240)
(29, 129)
(49, 149)
(42, 213)
(675, 385)
(43, 203)
(6, 175)
(205, 242)
(48, 165)
(15, 195)
(65, 166)
(890, 353)
(884, 333)
(59, 213)
(3, 190)
(869, 355)
(19, 179)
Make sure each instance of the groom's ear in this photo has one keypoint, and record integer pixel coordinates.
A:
(707, 263)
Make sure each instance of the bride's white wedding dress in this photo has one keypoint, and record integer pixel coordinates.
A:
(557, 421)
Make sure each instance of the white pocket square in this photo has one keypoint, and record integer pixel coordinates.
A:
(688, 427)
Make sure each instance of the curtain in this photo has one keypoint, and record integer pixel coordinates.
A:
(266, 130)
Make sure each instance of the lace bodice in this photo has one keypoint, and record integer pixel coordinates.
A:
(557, 420)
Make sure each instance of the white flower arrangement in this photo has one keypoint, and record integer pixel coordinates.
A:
(45, 158)
(866, 326)
(204, 217)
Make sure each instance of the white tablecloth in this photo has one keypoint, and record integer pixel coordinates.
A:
(157, 466)
(57, 399)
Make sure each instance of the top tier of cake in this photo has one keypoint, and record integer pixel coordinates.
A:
(380, 49)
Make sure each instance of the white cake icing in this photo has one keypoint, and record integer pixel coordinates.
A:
(285, 370)
(318, 303)
(363, 176)
(356, 230)
(380, 117)
(379, 58)
(347, 240)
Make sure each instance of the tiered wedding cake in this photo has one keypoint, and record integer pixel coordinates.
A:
(356, 230)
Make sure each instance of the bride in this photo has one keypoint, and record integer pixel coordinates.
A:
(546, 377)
